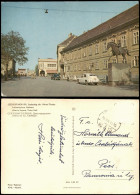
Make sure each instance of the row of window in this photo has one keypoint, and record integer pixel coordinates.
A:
(83, 52)
(47, 65)
(95, 65)
(51, 65)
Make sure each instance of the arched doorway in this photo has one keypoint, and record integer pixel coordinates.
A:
(42, 73)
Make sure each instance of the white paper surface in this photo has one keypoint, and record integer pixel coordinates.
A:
(70, 146)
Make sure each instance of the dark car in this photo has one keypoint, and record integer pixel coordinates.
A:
(55, 77)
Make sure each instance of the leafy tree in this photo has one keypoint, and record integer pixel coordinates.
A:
(36, 70)
(13, 48)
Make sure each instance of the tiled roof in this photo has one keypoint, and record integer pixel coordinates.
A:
(123, 18)
(68, 40)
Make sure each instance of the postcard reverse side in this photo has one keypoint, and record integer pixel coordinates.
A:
(70, 146)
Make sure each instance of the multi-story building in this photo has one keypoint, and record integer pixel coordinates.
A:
(88, 52)
(60, 47)
(11, 68)
(47, 66)
(22, 72)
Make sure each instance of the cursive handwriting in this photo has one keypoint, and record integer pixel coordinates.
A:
(100, 143)
(41, 139)
(85, 120)
(61, 147)
(113, 144)
(63, 120)
(40, 133)
(129, 175)
(88, 133)
(62, 138)
(52, 141)
(116, 135)
(105, 163)
(112, 176)
(100, 133)
(40, 150)
(88, 173)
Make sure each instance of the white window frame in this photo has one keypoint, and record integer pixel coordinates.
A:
(123, 41)
(136, 61)
(135, 37)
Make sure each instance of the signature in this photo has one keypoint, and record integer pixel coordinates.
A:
(40, 150)
(52, 141)
(40, 133)
(41, 139)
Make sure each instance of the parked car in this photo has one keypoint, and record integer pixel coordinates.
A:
(55, 77)
(88, 78)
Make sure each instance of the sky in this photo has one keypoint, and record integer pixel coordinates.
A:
(43, 32)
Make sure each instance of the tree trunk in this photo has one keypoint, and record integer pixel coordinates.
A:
(6, 74)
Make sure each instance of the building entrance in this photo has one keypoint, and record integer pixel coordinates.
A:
(42, 73)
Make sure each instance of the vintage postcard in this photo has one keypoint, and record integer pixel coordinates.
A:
(70, 146)
(70, 49)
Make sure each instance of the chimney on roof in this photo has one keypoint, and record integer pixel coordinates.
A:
(70, 34)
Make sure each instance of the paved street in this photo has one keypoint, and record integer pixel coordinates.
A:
(45, 87)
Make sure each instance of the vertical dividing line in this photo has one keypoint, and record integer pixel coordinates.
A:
(72, 145)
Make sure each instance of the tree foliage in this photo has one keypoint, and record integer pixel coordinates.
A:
(13, 48)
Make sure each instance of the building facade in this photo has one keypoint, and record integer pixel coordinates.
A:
(60, 47)
(22, 72)
(47, 67)
(30, 72)
(11, 68)
(88, 52)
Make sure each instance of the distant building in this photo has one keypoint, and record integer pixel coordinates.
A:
(30, 72)
(88, 52)
(22, 72)
(60, 47)
(47, 66)
(11, 68)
